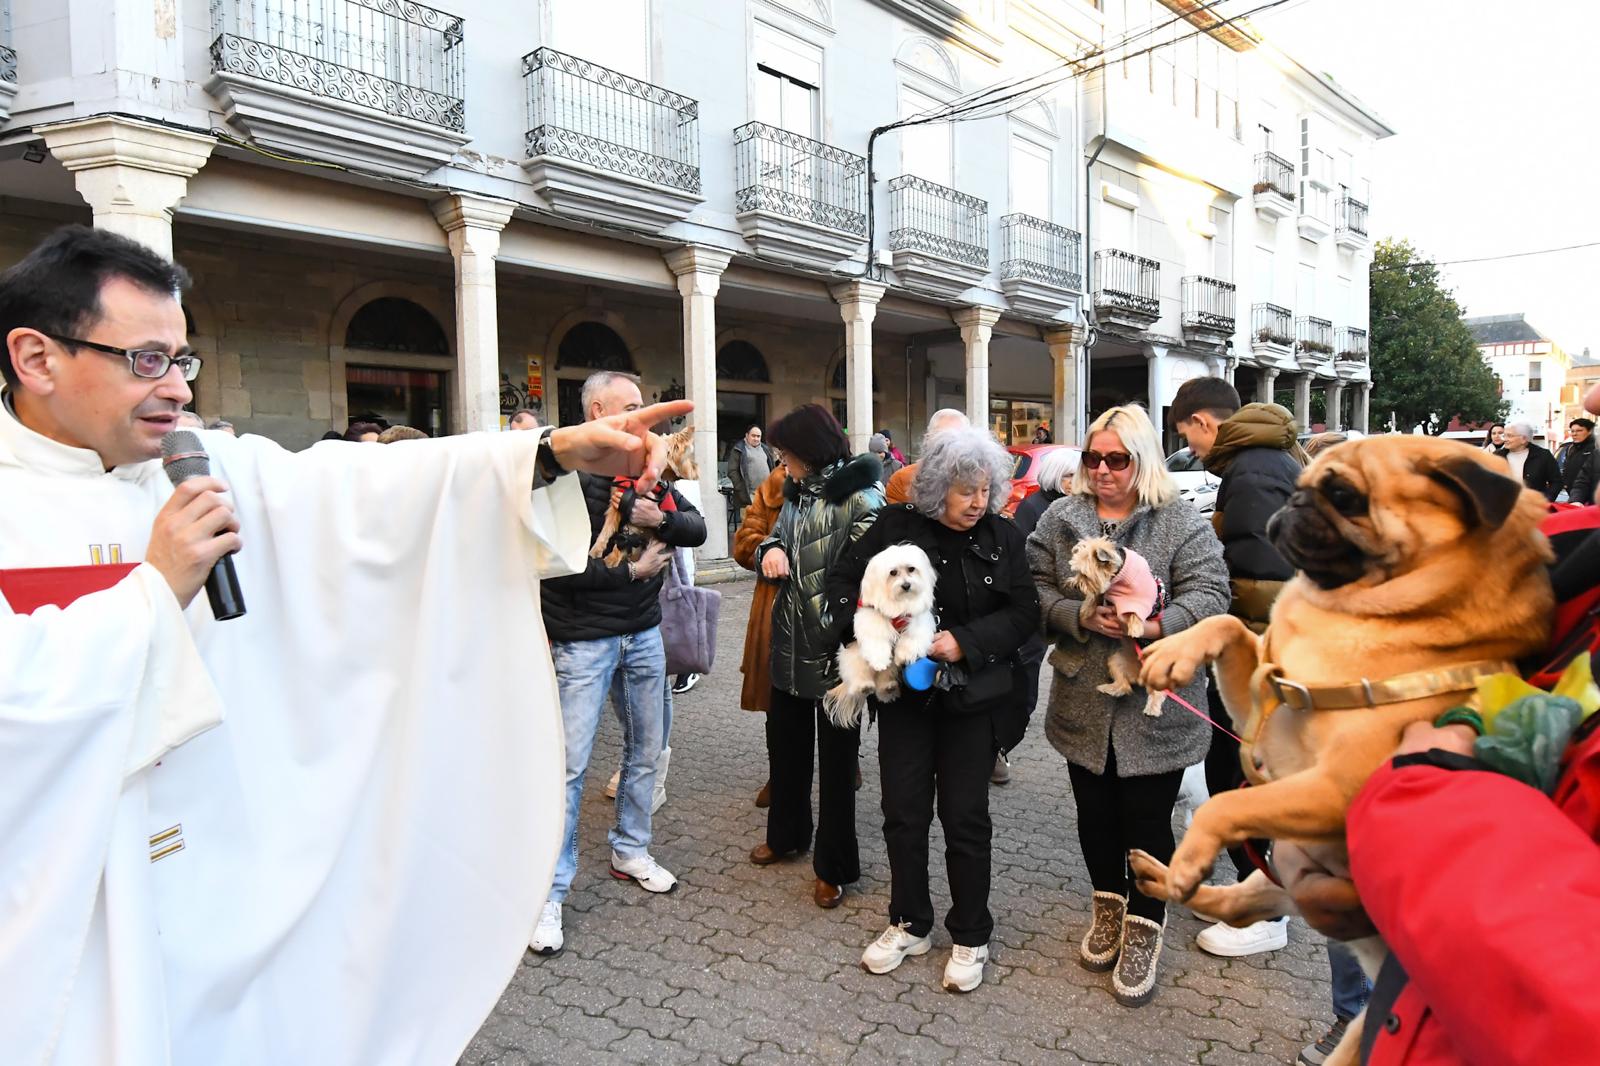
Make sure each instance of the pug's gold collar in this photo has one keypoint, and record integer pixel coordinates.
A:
(1368, 693)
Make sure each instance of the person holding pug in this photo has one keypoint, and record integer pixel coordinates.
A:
(1125, 766)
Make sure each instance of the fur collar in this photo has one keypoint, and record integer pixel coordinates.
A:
(837, 482)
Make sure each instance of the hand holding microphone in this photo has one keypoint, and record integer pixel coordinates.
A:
(196, 531)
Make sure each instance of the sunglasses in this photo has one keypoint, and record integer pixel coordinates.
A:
(1113, 460)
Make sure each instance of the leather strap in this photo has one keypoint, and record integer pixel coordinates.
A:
(1368, 693)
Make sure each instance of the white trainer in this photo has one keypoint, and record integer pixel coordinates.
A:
(891, 949)
(1230, 943)
(547, 938)
(611, 786)
(964, 971)
(643, 871)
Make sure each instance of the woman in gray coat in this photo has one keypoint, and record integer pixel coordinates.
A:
(1125, 765)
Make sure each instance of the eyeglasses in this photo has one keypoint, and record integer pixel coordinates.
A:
(143, 362)
(1113, 460)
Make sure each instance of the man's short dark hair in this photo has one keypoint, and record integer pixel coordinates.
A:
(812, 435)
(519, 412)
(1586, 423)
(1213, 395)
(56, 287)
(358, 430)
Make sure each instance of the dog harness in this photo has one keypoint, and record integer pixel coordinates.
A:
(1358, 695)
(899, 622)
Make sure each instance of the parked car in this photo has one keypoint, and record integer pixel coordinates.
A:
(1024, 471)
(1195, 484)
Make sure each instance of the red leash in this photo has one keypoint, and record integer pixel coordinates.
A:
(1186, 705)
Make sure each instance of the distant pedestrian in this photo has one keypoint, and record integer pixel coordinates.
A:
(1531, 464)
(1576, 459)
(878, 445)
(899, 456)
(523, 418)
(749, 461)
(1494, 437)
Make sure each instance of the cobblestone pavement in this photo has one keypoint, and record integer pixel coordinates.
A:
(739, 966)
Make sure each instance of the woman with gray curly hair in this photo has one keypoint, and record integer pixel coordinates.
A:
(943, 740)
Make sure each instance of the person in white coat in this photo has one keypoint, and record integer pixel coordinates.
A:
(321, 832)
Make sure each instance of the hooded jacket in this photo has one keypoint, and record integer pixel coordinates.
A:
(1258, 458)
(822, 515)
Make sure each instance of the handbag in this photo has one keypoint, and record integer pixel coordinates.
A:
(688, 621)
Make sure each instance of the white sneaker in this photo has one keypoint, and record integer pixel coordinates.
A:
(643, 871)
(1231, 943)
(964, 971)
(547, 938)
(659, 796)
(611, 786)
(890, 950)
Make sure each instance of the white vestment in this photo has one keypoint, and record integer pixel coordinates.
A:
(345, 871)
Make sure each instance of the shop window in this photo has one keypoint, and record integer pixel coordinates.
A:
(394, 396)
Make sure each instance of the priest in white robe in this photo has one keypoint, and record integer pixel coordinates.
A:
(319, 833)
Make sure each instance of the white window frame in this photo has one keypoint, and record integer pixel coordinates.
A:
(1031, 146)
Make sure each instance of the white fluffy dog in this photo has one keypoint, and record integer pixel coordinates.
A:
(894, 628)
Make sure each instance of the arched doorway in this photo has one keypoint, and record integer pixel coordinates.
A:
(585, 348)
(740, 363)
(397, 365)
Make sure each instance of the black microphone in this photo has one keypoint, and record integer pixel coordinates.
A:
(185, 457)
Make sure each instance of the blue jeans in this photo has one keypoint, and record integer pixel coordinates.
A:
(1350, 985)
(633, 669)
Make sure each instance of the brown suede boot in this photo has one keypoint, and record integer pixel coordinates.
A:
(1103, 941)
(1133, 982)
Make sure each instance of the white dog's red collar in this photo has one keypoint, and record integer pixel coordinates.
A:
(899, 623)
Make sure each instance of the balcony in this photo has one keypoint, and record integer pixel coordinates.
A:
(375, 84)
(1273, 196)
(1041, 268)
(1127, 290)
(939, 237)
(1351, 229)
(1316, 210)
(1208, 318)
(606, 147)
(1272, 335)
(798, 200)
(1350, 352)
(1313, 344)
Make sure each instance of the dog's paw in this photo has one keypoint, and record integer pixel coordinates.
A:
(878, 656)
(906, 653)
(1191, 865)
(1173, 662)
(1153, 705)
(1114, 688)
(1149, 873)
(888, 690)
(1134, 625)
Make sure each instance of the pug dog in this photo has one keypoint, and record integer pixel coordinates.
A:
(1414, 554)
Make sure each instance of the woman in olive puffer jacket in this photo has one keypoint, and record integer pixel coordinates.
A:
(829, 501)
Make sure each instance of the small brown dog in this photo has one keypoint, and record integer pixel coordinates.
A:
(1105, 574)
(1422, 567)
(630, 542)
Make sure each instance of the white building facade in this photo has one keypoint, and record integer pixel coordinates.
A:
(439, 216)
(1532, 369)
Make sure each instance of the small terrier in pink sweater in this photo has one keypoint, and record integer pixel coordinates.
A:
(1120, 578)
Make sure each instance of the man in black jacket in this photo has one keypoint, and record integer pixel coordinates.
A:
(1576, 460)
(1530, 463)
(605, 638)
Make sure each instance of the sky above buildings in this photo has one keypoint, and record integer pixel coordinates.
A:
(1496, 148)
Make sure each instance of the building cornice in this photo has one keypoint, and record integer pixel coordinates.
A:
(950, 23)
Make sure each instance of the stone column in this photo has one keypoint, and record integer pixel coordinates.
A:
(699, 271)
(133, 174)
(1066, 352)
(473, 225)
(858, 306)
(1334, 398)
(977, 326)
(1363, 413)
(1302, 402)
(1156, 389)
(1266, 384)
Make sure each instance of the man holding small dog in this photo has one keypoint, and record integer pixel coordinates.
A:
(605, 633)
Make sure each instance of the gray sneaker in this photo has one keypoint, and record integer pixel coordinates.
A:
(1133, 981)
(1316, 1054)
(1001, 774)
(1098, 952)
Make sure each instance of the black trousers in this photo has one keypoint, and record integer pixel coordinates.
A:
(792, 724)
(926, 751)
(1116, 814)
(1223, 772)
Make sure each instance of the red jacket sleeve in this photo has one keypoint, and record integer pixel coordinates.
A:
(1489, 896)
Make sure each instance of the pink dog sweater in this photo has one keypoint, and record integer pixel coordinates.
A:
(1134, 590)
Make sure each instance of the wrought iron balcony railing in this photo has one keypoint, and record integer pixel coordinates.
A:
(1127, 282)
(926, 217)
(1352, 216)
(394, 56)
(1208, 303)
(592, 115)
(1351, 344)
(1313, 334)
(799, 178)
(1041, 251)
(1271, 324)
(1274, 174)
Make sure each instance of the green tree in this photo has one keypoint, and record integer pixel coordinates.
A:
(1426, 368)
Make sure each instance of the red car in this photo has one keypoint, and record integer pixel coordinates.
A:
(1024, 471)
